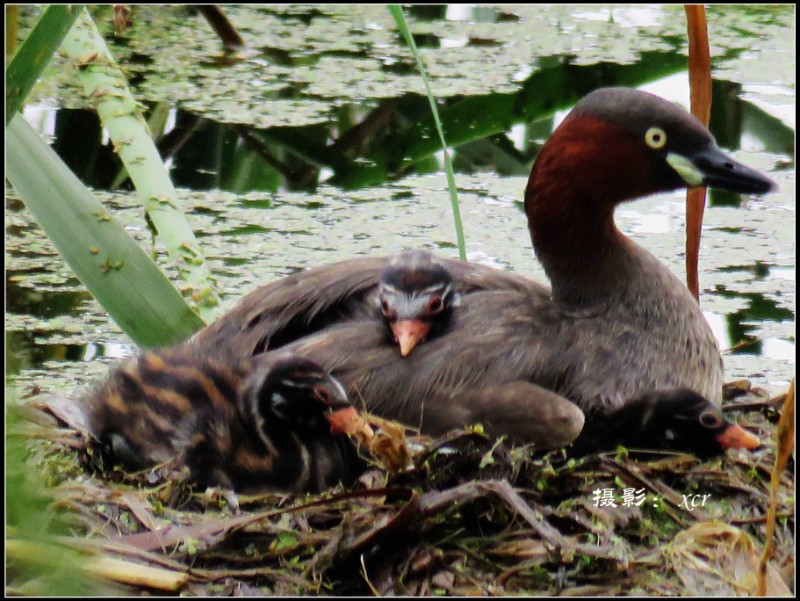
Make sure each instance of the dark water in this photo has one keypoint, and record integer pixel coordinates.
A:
(316, 145)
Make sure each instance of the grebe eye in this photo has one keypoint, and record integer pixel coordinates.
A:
(710, 420)
(655, 138)
(323, 394)
(436, 304)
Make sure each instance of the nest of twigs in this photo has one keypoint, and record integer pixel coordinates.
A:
(459, 515)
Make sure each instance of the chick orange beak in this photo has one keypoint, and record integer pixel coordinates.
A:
(409, 333)
(345, 421)
(735, 437)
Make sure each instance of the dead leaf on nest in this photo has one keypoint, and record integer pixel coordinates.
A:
(67, 410)
(525, 548)
(443, 580)
(743, 388)
(736, 388)
(715, 559)
(388, 445)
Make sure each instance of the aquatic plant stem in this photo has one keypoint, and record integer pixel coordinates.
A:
(700, 91)
(109, 262)
(397, 12)
(785, 444)
(107, 88)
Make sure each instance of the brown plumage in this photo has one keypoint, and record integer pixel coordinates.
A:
(616, 324)
(266, 423)
(308, 302)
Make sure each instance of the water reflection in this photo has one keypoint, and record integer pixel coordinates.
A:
(360, 149)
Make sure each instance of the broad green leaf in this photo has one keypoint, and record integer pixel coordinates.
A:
(34, 54)
(119, 274)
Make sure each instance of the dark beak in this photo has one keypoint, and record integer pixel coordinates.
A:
(721, 171)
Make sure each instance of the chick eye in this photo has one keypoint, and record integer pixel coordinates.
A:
(655, 138)
(323, 394)
(435, 305)
(710, 420)
(386, 308)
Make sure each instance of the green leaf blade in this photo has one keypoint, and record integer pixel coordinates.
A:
(397, 12)
(120, 275)
(35, 52)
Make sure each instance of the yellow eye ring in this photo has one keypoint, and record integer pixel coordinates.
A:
(655, 138)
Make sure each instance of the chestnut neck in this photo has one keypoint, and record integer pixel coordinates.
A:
(582, 173)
